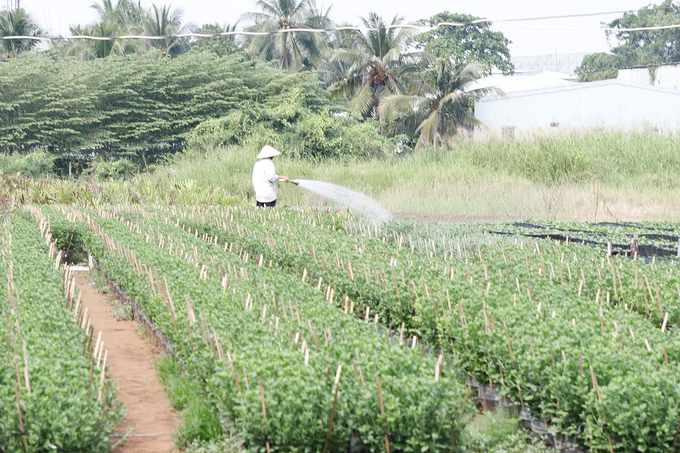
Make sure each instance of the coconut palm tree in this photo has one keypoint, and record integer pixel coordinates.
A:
(17, 22)
(122, 18)
(443, 101)
(161, 21)
(374, 63)
(292, 49)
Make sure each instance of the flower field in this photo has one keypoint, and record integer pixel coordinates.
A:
(309, 331)
(53, 392)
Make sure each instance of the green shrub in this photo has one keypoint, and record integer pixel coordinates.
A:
(303, 134)
(324, 135)
(35, 164)
(117, 169)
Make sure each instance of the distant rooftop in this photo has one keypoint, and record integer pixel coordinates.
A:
(564, 63)
(524, 81)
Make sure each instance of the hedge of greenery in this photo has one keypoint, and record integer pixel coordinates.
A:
(143, 106)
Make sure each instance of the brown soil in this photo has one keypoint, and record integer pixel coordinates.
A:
(150, 419)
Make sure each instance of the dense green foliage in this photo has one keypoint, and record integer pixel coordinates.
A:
(561, 328)
(139, 106)
(598, 66)
(637, 47)
(44, 368)
(296, 131)
(34, 164)
(648, 47)
(237, 321)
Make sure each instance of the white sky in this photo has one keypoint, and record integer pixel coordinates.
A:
(57, 15)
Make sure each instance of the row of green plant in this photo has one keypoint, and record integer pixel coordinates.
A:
(52, 396)
(249, 333)
(16, 191)
(560, 328)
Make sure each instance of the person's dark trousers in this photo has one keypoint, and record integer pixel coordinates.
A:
(269, 204)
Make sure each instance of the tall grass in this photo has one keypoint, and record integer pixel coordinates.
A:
(614, 159)
(594, 176)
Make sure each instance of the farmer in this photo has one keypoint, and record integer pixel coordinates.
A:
(265, 177)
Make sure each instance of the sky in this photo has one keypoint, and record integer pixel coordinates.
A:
(537, 37)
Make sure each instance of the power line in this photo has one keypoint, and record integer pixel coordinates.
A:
(420, 28)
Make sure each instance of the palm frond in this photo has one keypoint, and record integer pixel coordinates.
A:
(364, 101)
(389, 105)
(428, 130)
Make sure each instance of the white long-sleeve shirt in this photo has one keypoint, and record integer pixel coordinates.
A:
(264, 180)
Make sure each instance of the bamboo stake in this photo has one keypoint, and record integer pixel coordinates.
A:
(102, 376)
(438, 368)
(507, 339)
(335, 402)
(658, 296)
(21, 417)
(264, 414)
(233, 370)
(461, 313)
(26, 375)
(382, 413)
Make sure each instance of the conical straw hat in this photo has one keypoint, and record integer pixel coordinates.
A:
(268, 151)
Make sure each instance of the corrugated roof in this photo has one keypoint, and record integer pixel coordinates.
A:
(525, 81)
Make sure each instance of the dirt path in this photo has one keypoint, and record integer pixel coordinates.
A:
(150, 419)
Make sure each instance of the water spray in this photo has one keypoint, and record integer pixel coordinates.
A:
(356, 201)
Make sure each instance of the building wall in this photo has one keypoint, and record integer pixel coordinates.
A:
(666, 76)
(608, 104)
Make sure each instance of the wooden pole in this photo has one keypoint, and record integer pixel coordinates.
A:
(382, 413)
(264, 414)
(102, 376)
(21, 417)
(335, 402)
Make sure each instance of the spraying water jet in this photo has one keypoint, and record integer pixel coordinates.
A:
(356, 201)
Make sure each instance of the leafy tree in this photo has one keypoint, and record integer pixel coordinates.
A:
(598, 66)
(648, 47)
(292, 50)
(17, 22)
(472, 42)
(374, 64)
(221, 45)
(443, 103)
(45, 104)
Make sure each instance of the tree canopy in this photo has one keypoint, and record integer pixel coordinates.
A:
(647, 47)
(598, 66)
(469, 43)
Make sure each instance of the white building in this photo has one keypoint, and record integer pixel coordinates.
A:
(567, 105)
(664, 76)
